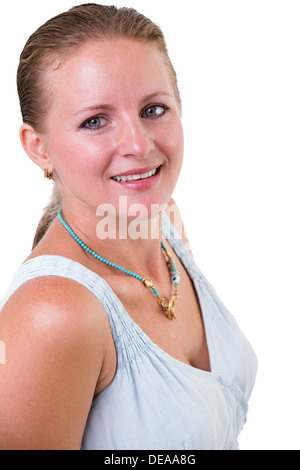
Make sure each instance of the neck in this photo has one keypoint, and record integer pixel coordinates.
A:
(132, 244)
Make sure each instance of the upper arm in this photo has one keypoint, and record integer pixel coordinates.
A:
(53, 359)
(176, 219)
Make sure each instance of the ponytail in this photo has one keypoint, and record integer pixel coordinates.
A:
(48, 216)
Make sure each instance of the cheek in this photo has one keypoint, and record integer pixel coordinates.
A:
(77, 155)
(172, 144)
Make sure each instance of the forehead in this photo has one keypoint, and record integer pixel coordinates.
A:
(110, 69)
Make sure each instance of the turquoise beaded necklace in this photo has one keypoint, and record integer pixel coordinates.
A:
(168, 307)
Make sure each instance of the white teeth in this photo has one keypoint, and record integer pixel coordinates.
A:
(123, 179)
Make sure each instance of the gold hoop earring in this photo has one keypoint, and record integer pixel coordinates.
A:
(47, 175)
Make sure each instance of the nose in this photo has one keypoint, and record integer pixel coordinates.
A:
(133, 139)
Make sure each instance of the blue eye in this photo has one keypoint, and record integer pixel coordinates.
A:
(155, 111)
(95, 123)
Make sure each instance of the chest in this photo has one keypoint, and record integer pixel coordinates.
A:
(183, 338)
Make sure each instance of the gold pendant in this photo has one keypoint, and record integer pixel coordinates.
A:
(169, 308)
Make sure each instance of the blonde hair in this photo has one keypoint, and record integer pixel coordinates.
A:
(57, 38)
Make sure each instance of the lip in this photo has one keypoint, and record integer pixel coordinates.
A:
(140, 185)
(137, 171)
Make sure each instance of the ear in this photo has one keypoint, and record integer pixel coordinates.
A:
(34, 145)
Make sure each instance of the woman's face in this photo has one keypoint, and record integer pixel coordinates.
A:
(114, 118)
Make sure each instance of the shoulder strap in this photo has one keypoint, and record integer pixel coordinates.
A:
(175, 240)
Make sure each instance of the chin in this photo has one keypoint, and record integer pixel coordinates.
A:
(145, 207)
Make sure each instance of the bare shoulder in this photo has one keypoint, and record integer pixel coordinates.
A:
(55, 305)
(173, 211)
(55, 335)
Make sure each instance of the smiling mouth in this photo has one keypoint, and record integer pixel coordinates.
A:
(137, 177)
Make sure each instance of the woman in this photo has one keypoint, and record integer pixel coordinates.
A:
(113, 340)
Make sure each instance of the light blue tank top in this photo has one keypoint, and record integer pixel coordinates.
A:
(156, 402)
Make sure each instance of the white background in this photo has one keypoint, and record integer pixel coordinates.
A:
(238, 65)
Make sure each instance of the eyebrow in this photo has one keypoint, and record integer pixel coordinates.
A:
(157, 93)
(109, 107)
(95, 107)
